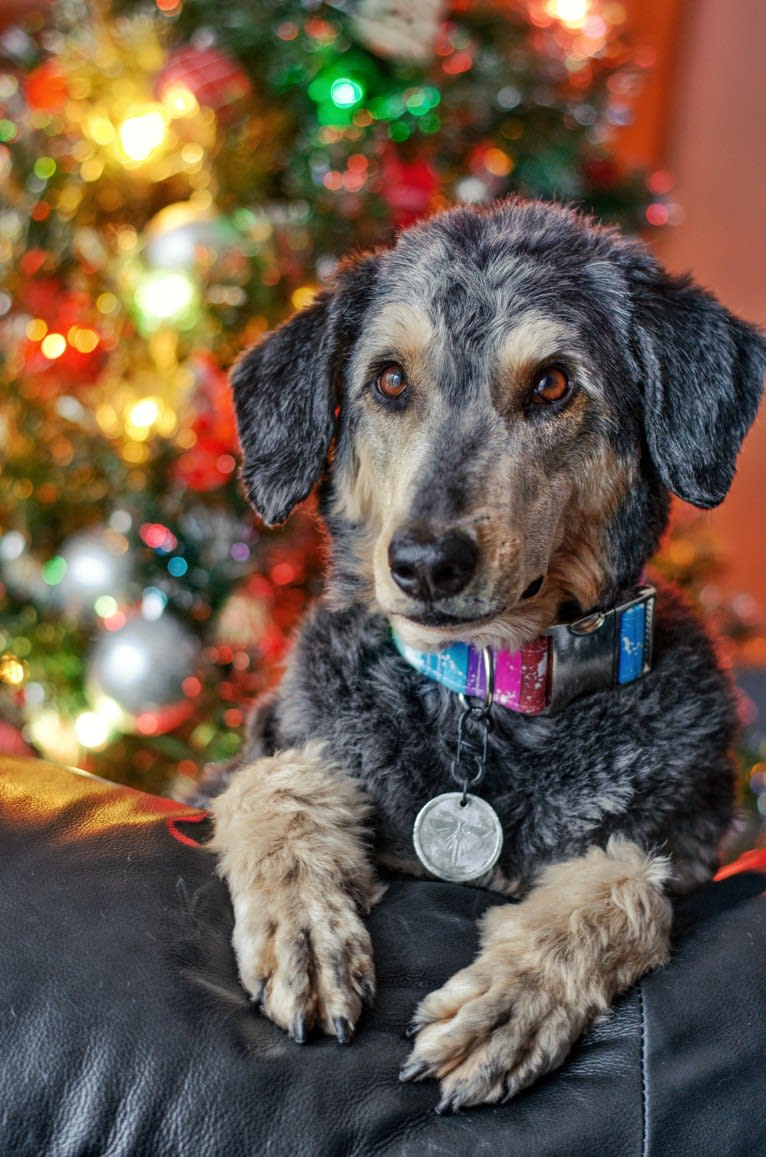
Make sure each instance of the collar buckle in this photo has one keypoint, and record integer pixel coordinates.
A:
(600, 650)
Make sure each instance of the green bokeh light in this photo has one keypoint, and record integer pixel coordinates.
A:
(345, 92)
(44, 168)
(54, 570)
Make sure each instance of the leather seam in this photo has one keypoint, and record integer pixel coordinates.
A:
(644, 1076)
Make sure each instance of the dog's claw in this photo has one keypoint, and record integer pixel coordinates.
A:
(366, 991)
(343, 1030)
(257, 998)
(298, 1031)
(413, 1070)
(412, 1030)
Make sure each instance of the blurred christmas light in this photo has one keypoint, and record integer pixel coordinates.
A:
(85, 341)
(44, 168)
(283, 574)
(158, 537)
(473, 190)
(153, 604)
(116, 621)
(166, 296)
(100, 129)
(105, 606)
(92, 170)
(53, 736)
(143, 414)
(121, 521)
(660, 182)
(54, 570)
(458, 63)
(53, 346)
(179, 101)
(12, 670)
(107, 303)
(572, 13)
(657, 213)
(345, 92)
(12, 545)
(143, 134)
(193, 154)
(36, 329)
(92, 730)
(135, 453)
(497, 162)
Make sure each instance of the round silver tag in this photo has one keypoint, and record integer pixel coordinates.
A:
(456, 840)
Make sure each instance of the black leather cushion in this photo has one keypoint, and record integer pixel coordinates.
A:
(124, 1031)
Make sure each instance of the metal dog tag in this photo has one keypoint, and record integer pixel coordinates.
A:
(457, 837)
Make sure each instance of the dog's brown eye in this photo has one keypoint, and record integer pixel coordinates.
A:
(391, 382)
(549, 386)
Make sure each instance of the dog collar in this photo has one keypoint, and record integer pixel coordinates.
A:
(602, 649)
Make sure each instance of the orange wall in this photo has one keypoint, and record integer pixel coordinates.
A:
(703, 116)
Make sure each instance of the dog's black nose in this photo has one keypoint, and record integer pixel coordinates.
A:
(429, 568)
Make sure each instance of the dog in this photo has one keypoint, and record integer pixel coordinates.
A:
(495, 410)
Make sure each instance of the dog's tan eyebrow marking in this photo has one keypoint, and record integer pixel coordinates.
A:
(533, 340)
(399, 330)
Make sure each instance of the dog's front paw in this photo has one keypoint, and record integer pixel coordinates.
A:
(547, 967)
(306, 961)
(290, 832)
(490, 1031)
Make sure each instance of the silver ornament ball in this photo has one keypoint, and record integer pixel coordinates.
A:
(142, 665)
(97, 563)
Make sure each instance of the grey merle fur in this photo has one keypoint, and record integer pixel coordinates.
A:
(682, 380)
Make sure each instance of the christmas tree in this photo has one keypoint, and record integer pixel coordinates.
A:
(177, 178)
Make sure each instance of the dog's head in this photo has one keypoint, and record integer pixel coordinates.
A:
(499, 405)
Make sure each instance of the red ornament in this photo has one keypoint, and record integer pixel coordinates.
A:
(408, 187)
(46, 87)
(159, 720)
(12, 741)
(211, 76)
(70, 352)
(601, 172)
(210, 462)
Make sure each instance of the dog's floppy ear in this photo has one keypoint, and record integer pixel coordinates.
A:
(704, 373)
(285, 394)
